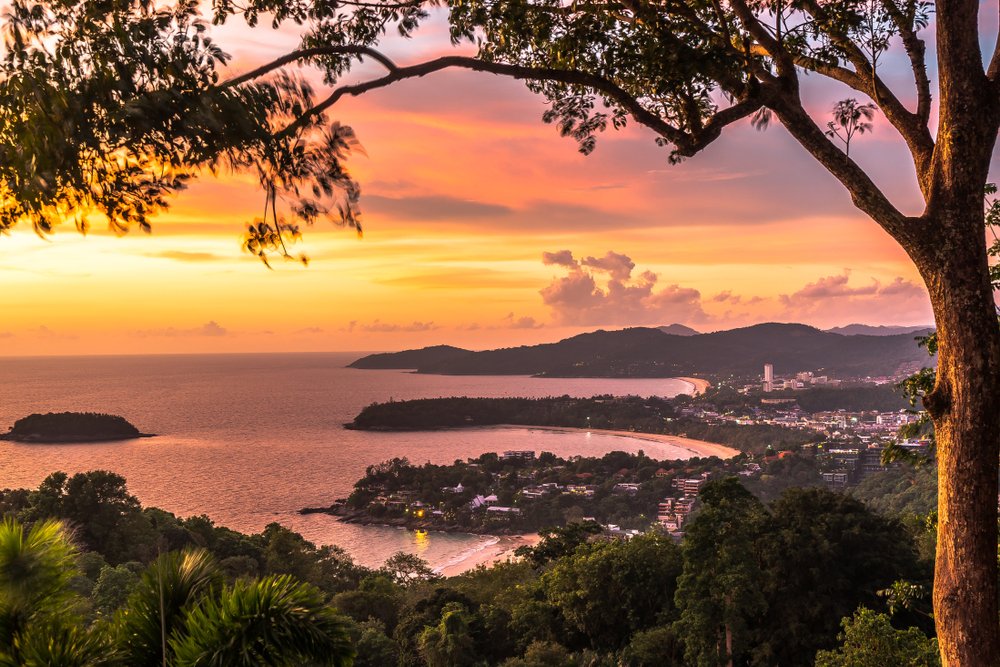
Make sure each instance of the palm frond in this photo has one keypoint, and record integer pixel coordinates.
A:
(58, 644)
(274, 621)
(36, 567)
(156, 609)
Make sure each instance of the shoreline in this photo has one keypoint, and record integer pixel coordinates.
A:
(363, 518)
(698, 385)
(699, 448)
(487, 555)
(70, 440)
(494, 546)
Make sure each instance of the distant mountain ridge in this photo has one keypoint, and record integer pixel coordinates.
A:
(679, 330)
(650, 352)
(880, 330)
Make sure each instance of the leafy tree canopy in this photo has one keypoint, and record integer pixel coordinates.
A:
(107, 108)
(869, 640)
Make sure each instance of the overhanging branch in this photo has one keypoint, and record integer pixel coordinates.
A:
(306, 54)
(916, 52)
(911, 126)
(687, 143)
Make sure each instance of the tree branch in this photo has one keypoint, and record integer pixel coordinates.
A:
(712, 129)
(911, 126)
(687, 144)
(782, 59)
(993, 71)
(916, 52)
(306, 54)
(969, 108)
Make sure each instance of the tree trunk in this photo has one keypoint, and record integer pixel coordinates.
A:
(965, 407)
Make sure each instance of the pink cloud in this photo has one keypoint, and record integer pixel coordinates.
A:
(379, 326)
(834, 298)
(599, 291)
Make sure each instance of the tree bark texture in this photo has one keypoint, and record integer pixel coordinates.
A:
(965, 407)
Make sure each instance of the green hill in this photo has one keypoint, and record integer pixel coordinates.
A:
(649, 352)
(427, 356)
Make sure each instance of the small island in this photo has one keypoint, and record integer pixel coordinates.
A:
(72, 427)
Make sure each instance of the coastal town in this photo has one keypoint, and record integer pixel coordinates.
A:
(516, 491)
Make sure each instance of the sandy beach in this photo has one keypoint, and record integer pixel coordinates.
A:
(698, 448)
(699, 385)
(494, 552)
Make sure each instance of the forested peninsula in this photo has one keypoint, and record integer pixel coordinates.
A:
(70, 427)
(625, 413)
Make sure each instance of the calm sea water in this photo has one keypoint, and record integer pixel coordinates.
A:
(250, 439)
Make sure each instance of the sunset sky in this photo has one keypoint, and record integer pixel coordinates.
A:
(483, 228)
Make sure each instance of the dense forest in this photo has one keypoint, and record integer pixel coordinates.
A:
(71, 427)
(811, 571)
(607, 412)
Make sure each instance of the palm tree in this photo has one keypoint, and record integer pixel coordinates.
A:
(850, 118)
(40, 623)
(61, 644)
(273, 621)
(175, 582)
(180, 615)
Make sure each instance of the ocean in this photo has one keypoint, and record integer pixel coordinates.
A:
(248, 439)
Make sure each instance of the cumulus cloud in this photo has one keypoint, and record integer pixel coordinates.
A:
(524, 322)
(724, 296)
(617, 265)
(902, 287)
(900, 300)
(610, 290)
(559, 258)
(839, 287)
(602, 290)
(728, 297)
(832, 287)
(211, 329)
(378, 326)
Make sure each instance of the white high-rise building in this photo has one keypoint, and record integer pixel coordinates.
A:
(768, 377)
